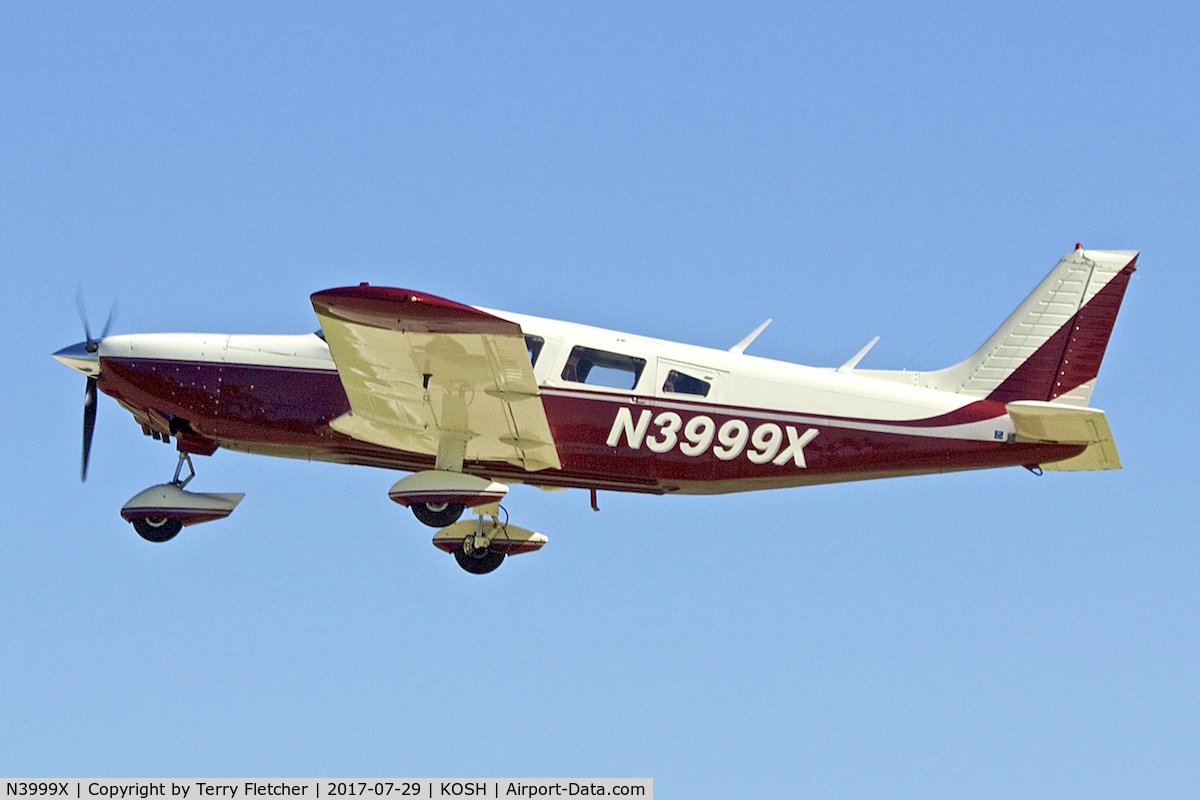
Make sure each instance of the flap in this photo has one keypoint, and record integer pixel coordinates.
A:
(427, 375)
(1038, 421)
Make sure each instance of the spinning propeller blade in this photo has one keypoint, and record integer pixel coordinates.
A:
(93, 344)
(89, 424)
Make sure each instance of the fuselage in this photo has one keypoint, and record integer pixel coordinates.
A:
(627, 412)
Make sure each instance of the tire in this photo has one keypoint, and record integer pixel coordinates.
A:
(157, 529)
(479, 563)
(438, 515)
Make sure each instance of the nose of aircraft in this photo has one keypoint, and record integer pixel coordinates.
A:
(81, 357)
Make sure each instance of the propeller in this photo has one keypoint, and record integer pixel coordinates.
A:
(89, 397)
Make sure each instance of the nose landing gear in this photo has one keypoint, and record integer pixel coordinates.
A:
(156, 529)
(160, 512)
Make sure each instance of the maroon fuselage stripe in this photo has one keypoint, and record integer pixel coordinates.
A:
(289, 410)
(975, 411)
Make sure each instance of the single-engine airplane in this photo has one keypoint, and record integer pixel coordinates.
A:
(470, 399)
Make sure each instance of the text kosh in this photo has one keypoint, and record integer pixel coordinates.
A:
(731, 440)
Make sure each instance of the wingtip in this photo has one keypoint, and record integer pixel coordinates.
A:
(404, 309)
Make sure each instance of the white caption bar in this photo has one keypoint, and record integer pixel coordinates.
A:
(322, 788)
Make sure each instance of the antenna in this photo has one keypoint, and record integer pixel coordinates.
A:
(922, 350)
(857, 357)
(741, 346)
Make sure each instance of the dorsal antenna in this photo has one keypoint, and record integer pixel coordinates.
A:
(741, 346)
(857, 357)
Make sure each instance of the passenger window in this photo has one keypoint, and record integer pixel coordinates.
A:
(598, 368)
(682, 383)
(533, 344)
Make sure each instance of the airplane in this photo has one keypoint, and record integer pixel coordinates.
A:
(469, 400)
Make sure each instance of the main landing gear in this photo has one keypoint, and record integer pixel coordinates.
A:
(159, 513)
(475, 553)
(438, 498)
(481, 545)
(438, 515)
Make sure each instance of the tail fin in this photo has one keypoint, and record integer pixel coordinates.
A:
(1050, 348)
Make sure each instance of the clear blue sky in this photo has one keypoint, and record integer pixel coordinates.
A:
(684, 171)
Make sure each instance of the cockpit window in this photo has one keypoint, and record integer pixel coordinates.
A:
(601, 368)
(533, 344)
(682, 383)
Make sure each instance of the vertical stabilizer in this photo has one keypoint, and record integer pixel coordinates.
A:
(1051, 347)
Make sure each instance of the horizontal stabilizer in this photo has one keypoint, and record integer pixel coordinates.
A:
(1051, 423)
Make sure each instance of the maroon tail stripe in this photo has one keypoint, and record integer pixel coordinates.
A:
(1090, 333)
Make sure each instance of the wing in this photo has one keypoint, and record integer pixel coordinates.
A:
(428, 375)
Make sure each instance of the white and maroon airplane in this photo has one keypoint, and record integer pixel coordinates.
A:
(470, 399)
